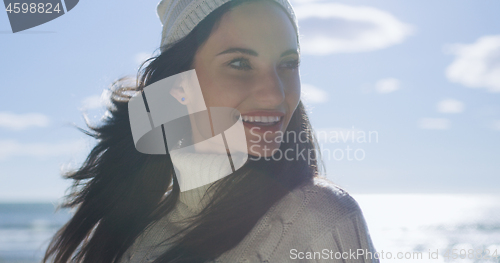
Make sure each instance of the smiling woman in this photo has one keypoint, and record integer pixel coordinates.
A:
(133, 208)
(250, 63)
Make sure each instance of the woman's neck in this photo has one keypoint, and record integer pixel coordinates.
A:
(196, 172)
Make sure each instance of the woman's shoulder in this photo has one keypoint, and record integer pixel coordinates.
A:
(319, 202)
(324, 195)
(304, 218)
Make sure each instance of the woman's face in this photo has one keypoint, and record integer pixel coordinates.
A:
(250, 63)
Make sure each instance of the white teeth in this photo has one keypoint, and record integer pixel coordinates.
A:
(263, 119)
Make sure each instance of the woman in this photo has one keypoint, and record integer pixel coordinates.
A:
(132, 207)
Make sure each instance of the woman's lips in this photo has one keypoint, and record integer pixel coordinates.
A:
(261, 121)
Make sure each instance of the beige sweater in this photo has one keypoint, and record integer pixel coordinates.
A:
(318, 222)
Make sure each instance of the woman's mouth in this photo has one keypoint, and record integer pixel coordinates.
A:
(262, 120)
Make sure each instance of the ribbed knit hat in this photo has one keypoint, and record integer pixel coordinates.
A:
(179, 17)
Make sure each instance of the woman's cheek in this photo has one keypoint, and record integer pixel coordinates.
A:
(237, 88)
(293, 98)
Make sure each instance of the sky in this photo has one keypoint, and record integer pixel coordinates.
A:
(404, 95)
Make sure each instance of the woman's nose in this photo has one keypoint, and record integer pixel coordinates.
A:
(270, 90)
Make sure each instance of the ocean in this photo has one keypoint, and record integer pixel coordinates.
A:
(434, 227)
(404, 228)
(26, 228)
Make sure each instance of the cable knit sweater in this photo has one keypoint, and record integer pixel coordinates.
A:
(316, 222)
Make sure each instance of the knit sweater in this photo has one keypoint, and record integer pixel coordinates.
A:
(316, 222)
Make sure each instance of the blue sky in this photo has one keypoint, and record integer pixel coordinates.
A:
(423, 75)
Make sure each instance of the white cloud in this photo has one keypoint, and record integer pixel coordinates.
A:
(434, 123)
(141, 57)
(95, 101)
(23, 121)
(92, 102)
(387, 85)
(312, 94)
(327, 28)
(450, 106)
(495, 125)
(12, 148)
(476, 65)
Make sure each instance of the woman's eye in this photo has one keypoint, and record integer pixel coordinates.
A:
(244, 64)
(240, 63)
(293, 64)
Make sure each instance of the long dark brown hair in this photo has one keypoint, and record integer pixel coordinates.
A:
(118, 191)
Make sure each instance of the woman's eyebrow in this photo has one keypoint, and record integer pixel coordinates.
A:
(253, 52)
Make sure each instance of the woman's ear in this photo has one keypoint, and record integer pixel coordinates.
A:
(179, 94)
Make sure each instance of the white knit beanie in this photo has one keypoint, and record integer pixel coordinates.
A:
(179, 17)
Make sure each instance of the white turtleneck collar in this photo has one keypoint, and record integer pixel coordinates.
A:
(199, 169)
(196, 172)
